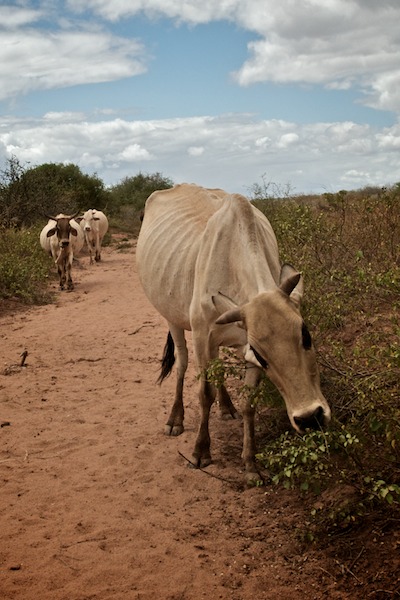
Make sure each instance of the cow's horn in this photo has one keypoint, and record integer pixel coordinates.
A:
(230, 316)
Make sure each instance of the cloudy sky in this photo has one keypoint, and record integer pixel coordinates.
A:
(223, 93)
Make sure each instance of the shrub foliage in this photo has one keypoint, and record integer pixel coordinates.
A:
(348, 247)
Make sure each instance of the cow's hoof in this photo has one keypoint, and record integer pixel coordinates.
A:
(200, 463)
(173, 430)
(227, 415)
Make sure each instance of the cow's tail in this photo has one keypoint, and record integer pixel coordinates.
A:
(168, 359)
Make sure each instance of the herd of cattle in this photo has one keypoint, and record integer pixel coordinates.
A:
(65, 235)
(208, 261)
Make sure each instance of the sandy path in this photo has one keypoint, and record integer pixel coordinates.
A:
(95, 503)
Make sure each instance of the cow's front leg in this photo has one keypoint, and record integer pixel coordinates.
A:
(70, 283)
(61, 274)
(252, 379)
(201, 453)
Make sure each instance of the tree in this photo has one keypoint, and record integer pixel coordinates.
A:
(133, 192)
(27, 195)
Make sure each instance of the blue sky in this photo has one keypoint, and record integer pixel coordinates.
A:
(223, 93)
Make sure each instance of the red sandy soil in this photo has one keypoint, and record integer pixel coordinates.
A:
(96, 503)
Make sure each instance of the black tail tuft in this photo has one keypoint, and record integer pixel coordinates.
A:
(168, 359)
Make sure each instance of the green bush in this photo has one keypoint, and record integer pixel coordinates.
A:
(24, 267)
(348, 247)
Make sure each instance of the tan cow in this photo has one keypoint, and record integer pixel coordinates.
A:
(61, 238)
(208, 261)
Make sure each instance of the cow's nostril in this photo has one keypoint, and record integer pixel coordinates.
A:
(313, 421)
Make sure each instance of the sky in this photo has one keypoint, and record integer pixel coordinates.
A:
(302, 94)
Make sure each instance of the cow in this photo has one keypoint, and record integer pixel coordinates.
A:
(94, 224)
(62, 238)
(208, 261)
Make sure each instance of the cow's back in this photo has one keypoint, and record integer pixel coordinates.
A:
(168, 245)
(44, 240)
(78, 240)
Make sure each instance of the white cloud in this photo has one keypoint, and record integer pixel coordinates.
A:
(34, 59)
(67, 117)
(339, 44)
(132, 153)
(288, 139)
(14, 17)
(336, 43)
(195, 150)
(190, 11)
(239, 149)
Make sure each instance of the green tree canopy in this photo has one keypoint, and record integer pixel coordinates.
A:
(133, 191)
(27, 195)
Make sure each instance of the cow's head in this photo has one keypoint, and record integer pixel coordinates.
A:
(63, 229)
(88, 217)
(280, 343)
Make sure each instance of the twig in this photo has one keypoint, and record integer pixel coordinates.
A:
(23, 356)
(346, 568)
(66, 564)
(141, 327)
(86, 540)
(327, 572)
(390, 592)
(357, 557)
(232, 483)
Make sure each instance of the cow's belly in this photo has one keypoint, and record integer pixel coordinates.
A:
(166, 267)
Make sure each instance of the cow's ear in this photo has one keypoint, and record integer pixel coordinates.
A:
(51, 232)
(74, 231)
(291, 283)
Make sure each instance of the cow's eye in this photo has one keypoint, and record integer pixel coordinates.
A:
(305, 334)
(260, 359)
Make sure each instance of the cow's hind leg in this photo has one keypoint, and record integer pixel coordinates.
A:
(175, 351)
(227, 409)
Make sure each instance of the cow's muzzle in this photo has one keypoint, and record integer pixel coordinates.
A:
(64, 244)
(315, 420)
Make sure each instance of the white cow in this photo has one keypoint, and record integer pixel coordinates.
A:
(208, 261)
(62, 238)
(94, 224)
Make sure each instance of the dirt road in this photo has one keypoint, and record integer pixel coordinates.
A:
(95, 502)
